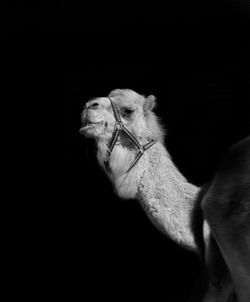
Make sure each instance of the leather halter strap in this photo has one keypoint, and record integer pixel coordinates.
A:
(119, 127)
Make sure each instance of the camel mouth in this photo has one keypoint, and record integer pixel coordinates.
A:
(89, 124)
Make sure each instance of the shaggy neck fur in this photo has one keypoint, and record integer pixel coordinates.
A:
(163, 192)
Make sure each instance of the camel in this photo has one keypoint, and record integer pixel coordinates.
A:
(226, 208)
(131, 151)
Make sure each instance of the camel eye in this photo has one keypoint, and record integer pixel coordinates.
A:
(126, 112)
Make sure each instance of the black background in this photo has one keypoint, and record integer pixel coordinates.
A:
(194, 57)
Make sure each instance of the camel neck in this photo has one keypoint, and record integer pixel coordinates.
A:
(164, 193)
(168, 198)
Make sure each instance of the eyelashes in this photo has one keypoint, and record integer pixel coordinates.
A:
(127, 112)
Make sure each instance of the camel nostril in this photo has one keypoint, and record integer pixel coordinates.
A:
(94, 105)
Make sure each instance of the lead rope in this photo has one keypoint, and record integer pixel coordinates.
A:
(119, 126)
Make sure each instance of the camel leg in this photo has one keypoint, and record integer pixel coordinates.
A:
(226, 208)
(237, 256)
(230, 225)
(219, 283)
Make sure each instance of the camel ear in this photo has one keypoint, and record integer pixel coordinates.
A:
(149, 103)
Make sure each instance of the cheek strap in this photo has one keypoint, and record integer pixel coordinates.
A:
(120, 127)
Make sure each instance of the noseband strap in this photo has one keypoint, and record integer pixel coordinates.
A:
(119, 127)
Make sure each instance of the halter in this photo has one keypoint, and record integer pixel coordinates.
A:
(119, 127)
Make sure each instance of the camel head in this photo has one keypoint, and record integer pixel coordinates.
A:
(136, 114)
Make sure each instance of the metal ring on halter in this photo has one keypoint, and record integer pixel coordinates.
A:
(120, 127)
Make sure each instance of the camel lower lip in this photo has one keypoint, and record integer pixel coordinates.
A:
(88, 125)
